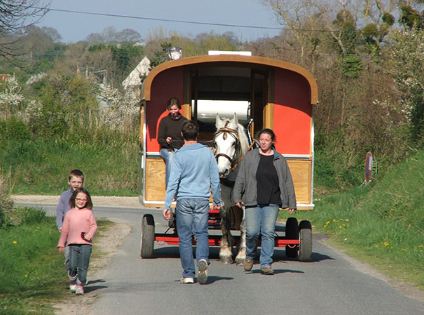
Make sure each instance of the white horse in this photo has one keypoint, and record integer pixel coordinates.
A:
(231, 143)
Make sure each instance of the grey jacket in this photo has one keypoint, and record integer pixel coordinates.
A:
(245, 188)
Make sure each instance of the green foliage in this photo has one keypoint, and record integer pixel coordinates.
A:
(126, 57)
(408, 72)
(63, 107)
(199, 46)
(381, 222)
(351, 66)
(333, 170)
(26, 216)
(6, 204)
(46, 61)
(40, 166)
(21, 254)
(411, 18)
(161, 55)
(14, 129)
(32, 275)
(370, 32)
(388, 18)
(347, 27)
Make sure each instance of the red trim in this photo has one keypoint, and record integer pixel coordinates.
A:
(215, 240)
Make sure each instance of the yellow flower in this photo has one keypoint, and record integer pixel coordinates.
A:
(14, 242)
(386, 244)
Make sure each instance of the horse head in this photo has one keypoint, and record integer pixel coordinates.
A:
(228, 143)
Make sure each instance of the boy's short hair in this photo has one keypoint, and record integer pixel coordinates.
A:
(76, 173)
(190, 130)
(173, 101)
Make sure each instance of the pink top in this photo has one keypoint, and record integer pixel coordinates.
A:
(77, 221)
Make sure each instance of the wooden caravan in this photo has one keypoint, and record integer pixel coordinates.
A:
(275, 94)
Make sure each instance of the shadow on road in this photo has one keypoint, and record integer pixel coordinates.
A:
(279, 254)
(90, 287)
(277, 271)
(212, 279)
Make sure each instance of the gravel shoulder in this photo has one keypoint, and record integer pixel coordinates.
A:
(106, 244)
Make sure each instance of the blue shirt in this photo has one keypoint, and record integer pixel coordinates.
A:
(194, 174)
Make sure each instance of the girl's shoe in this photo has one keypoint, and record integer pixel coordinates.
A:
(79, 290)
(73, 287)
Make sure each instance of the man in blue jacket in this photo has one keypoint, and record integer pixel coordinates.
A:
(194, 175)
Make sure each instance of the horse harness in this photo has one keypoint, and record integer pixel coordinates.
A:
(225, 131)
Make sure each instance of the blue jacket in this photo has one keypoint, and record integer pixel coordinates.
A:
(63, 206)
(194, 174)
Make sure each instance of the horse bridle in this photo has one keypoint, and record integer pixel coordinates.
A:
(233, 133)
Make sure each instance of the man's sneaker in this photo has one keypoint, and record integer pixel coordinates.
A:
(267, 270)
(187, 280)
(79, 290)
(202, 271)
(248, 264)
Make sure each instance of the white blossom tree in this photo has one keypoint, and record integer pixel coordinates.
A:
(10, 96)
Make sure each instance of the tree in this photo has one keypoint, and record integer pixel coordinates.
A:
(15, 15)
(408, 60)
(111, 35)
(10, 97)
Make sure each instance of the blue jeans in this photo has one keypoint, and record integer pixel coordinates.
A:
(66, 254)
(192, 218)
(79, 258)
(261, 220)
(167, 156)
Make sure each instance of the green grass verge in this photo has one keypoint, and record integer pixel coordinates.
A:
(32, 274)
(381, 223)
(42, 166)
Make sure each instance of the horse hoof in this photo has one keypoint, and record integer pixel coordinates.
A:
(226, 260)
(239, 261)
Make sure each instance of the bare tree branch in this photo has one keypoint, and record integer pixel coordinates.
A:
(15, 16)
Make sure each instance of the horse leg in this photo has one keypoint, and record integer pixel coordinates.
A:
(225, 253)
(241, 255)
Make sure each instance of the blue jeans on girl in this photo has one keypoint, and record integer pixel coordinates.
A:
(79, 259)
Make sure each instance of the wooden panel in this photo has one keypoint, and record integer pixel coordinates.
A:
(186, 111)
(155, 179)
(268, 113)
(301, 171)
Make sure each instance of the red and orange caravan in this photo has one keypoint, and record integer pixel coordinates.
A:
(270, 93)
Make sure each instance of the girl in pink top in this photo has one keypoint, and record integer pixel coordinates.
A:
(79, 227)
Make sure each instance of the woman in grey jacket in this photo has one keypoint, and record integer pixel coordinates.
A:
(263, 185)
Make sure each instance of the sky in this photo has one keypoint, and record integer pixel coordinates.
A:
(142, 15)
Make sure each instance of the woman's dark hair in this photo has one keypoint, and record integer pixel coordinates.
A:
(89, 203)
(267, 131)
(173, 101)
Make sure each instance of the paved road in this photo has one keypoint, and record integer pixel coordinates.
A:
(330, 284)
